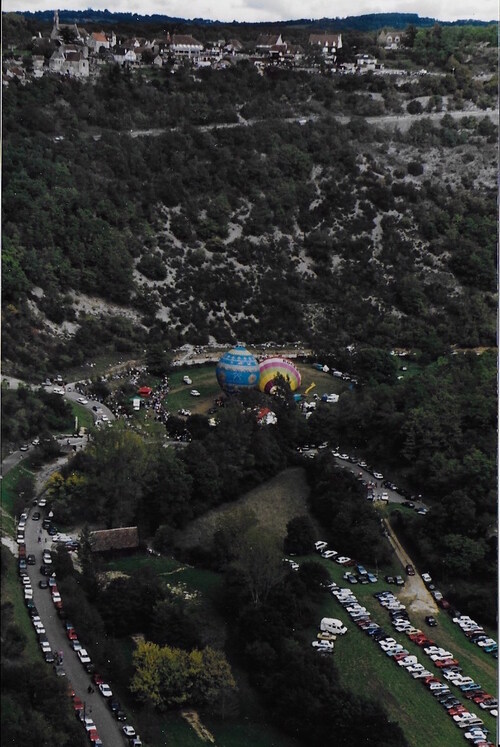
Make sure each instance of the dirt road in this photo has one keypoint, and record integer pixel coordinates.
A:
(414, 593)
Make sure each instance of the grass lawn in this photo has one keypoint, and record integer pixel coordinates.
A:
(12, 592)
(274, 503)
(364, 668)
(9, 485)
(196, 579)
(85, 419)
(204, 380)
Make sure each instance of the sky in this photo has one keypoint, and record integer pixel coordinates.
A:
(275, 10)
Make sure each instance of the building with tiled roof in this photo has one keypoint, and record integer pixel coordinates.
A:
(115, 540)
(183, 45)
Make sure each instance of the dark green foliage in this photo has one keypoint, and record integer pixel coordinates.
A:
(300, 536)
(338, 500)
(26, 413)
(299, 688)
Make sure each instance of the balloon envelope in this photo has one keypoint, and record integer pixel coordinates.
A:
(271, 368)
(237, 369)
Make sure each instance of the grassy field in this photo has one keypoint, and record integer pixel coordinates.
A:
(12, 593)
(274, 503)
(365, 669)
(361, 665)
(9, 484)
(85, 419)
(204, 380)
(195, 579)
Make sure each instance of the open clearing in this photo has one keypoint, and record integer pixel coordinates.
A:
(274, 503)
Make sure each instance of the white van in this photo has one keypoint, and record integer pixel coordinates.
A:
(332, 625)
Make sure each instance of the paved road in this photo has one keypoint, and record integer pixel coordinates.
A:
(109, 730)
(394, 496)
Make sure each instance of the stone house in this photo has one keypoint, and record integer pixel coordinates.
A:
(266, 42)
(183, 45)
(327, 43)
(122, 55)
(97, 40)
(69, 62)
(390, 39)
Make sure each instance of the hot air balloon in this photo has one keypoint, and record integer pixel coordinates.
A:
(237, 370)
(271, 368)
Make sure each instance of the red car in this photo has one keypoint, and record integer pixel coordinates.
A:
(93, 735)
(478, 698)
(430, 680)
(445, 663)
(71, 633)
(98, 680)
(456, 710)
(474, 694)
(77, 704)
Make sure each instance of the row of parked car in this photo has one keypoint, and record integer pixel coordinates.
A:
(450, 669)
(475, 633)
(104, 689)
(359, 576)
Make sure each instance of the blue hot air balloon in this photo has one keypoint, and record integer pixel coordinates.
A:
(237, 370)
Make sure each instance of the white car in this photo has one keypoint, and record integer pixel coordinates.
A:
(83, 656)
(342, 560)
(329, 554)
(414, 668)
(408, 661)
(83, 401)
(128, 730)
(378, 476)
(42, 502)
(105, 690)
(194, 393)
(186, 380)
(487, 642)
(323, 644)
(476, 734)
(104, 417)
(426, 578)
(320, 545)
(384, 497)
(439, 657)
(45, 646)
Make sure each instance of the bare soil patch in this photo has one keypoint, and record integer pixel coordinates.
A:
(274, 503)
(193, 720)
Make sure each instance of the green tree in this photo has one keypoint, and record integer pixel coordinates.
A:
(300, 536)
(259, 558)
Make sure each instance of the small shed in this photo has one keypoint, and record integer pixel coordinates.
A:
(118, 541)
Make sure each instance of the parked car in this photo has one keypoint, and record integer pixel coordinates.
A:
(83, 656)
(105, 690)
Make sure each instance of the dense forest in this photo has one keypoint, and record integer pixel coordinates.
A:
(334, 233)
